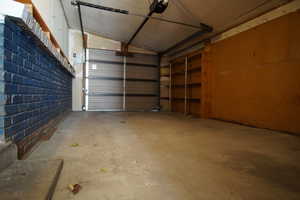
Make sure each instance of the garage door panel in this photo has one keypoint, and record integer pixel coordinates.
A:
(140, 72)
(105, 70)
(140, 103)
(98, 86)
(110, 89)
(137, 87)
(105, 103)
(103, 55)
(142, 67)
(143, 59)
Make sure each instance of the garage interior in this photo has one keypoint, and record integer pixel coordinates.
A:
(149, 99)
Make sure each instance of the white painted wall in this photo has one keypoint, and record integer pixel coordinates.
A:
(76, 58)
(53, 14)
(98, 42)
(12, 8)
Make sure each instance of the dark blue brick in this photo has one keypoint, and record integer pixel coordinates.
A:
(19, 117)
(5, 99)
(2, 29)
(10, 109)
(13, 130)
(24, 107)
(19, 136)
(17, 79)
(8, 34)
(5, 121)
(10, 67)
(1, 41)
(11, 45)
(5, 76)
(10, 88)
(16, 99)
(33, 86)
(8, 56)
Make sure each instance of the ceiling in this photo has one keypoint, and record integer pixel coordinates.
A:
(157, 35)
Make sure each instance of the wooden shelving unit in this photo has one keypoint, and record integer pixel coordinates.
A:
(165, 91)
(185, 84)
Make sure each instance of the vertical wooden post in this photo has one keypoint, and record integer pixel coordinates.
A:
(185, 85)
(124, 82)
(170, 88)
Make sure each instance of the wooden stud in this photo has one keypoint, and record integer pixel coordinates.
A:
(185, 86)
(170, 88)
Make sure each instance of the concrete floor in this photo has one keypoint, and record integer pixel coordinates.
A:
(148, 156)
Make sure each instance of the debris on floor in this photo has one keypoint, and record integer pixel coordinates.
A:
(103, 170)
(123, 122)
(75, 145)
(74, 188)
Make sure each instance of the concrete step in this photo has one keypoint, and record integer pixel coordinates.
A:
(8, 155)
(30, 179)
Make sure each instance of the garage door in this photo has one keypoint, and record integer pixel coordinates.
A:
(117, 83)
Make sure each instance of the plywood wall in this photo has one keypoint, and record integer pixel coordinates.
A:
(256, 76)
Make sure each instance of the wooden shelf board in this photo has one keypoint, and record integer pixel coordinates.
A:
(189, 99)
(189, 85)
(164, 75)
(195, 55)
(192, 70)
(195, 70)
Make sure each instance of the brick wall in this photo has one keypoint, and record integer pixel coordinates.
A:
(34, 88)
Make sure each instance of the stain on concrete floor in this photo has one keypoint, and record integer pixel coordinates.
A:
(273, 171)
(171, 157)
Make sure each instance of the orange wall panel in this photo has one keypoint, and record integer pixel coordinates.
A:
(256, 76)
